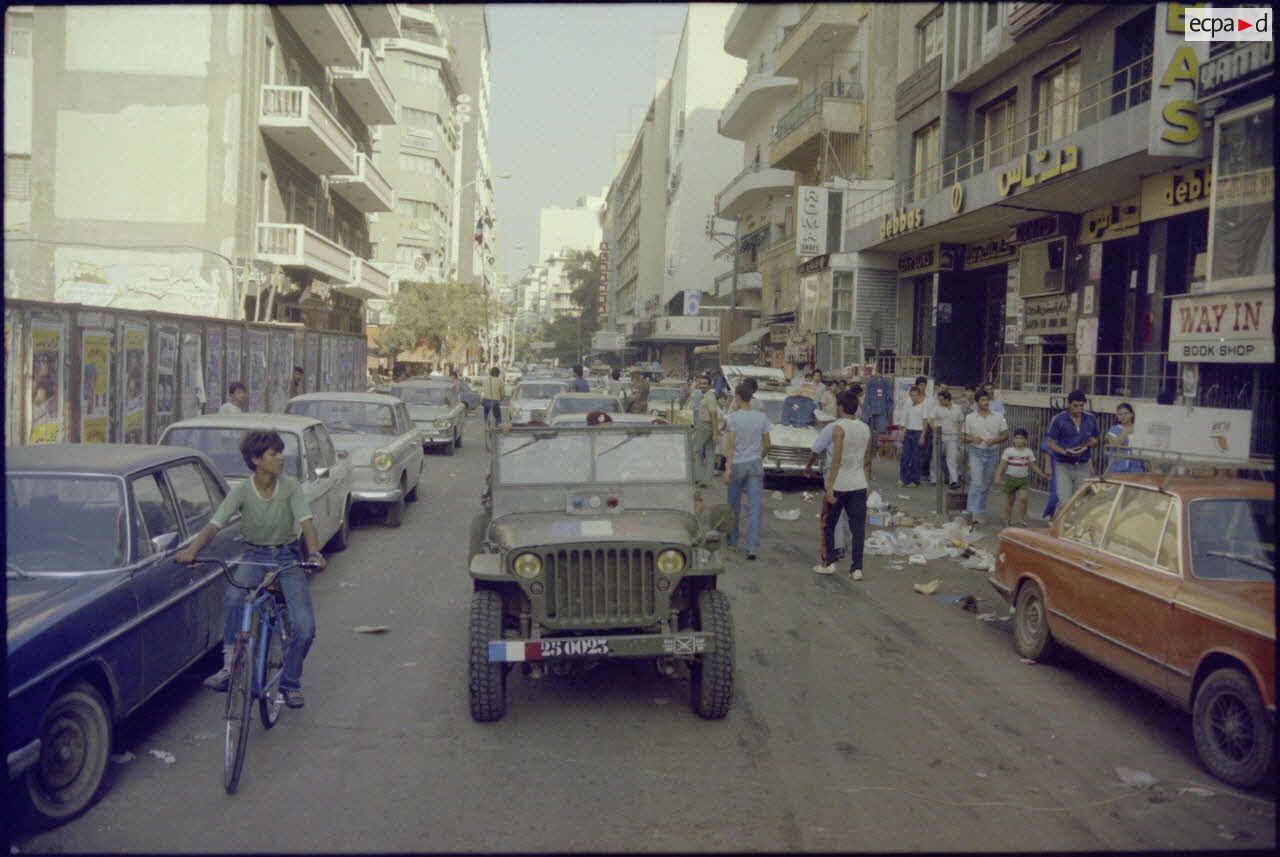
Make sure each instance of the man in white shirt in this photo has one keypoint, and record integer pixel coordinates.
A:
(930, 406)
(912, 441)
(984, 431)
(237, 399)
(948, 419)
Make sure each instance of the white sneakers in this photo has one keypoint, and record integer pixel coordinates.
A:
(856, 574)
(824, 569)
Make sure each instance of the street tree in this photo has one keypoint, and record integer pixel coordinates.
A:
(445, 317)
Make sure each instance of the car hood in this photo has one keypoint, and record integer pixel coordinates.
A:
(780, 435)
(557, 528)
(531, 404)
(31, 603)
(426, 413)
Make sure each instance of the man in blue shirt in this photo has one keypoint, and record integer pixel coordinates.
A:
(746, 444)
(1071, 437)
(578, 384)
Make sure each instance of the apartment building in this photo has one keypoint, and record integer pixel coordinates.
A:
(817, 129)
(1053, 161)
(213, 160)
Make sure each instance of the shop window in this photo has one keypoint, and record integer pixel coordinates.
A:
(926, 162)
(998, 131)
(1057, 93)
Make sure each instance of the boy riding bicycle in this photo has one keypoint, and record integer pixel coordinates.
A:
(272, 509)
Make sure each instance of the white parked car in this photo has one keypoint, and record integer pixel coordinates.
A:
(531, 399)
(434, 409)
(581, 404)
(385, 445)
(310, 457)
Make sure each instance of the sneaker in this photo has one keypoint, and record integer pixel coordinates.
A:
(856, 574)
(824, 569)
(293, 697)
(219, 680)
(751, 556)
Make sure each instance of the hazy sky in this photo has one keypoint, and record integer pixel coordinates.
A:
(566, 81)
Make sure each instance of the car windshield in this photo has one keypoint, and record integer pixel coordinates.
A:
(540, 390)
(618, 455)
(422, 395)
(772, 409)
(64, 523)
(368, 417)
(575, 405)
(664, 394)
(222, 445)
(1233, 539)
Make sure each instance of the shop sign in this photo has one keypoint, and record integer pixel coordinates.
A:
(1212, 432)
(1039, 166)
(994, 251)
(900, 222)
(1239, 67)
(1046, 315)
(1224, 327)
(1174, 117)
(1039, 229)
(811, 222)
(814, 265)
(1176, 191)
(939, 257)
(1118, 220)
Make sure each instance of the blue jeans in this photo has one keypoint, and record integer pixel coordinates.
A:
(912, 455)
(1068, 477)
(982, 467)
(297, 595)
(748, 475)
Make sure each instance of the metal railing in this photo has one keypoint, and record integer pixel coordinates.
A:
(1033, 373)
(811, 105)
(748, 170)
(1141, 375)
(1113, 94)
(299, 102)
(904, 365)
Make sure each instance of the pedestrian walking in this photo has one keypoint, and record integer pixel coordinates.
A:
(614, 385)
(930, 405)
(840, 543)
(579, 384)
(639, 403)
(912, 441)
(492, 392)
(948, 418)
(997, 406)
(1052, 505)
(1071, 437)
(984, 432)
(237, 399)
(847, 480)
(746, 445)
(1016, 462)
(1118, 439)
(706, 425)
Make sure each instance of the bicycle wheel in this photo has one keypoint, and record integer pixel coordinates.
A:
(239, 697)
(273, 639)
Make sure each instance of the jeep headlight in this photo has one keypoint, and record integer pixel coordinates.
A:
(527, 565)
(382, 461)
(671, 562)
(441, 423)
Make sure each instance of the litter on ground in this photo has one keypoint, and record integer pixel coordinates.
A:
(916, 559)
(1137, 779)
(371, 629)
(927, 588)
(123, 758)
(787, 514)
(167, 758)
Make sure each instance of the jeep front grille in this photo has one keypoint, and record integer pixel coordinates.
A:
(789, 455)
(601, 585)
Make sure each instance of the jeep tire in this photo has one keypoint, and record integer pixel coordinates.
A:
(711, 675)
(486, 681)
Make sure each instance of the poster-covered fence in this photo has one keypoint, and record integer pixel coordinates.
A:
(75, 373)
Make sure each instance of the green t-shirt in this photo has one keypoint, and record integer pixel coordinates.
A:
(266, 522)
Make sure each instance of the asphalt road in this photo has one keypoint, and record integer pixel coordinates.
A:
(866, 718)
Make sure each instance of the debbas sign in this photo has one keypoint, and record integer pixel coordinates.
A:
(1228, 25)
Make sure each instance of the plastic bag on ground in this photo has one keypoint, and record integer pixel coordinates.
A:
(787, 514)
(879, 543)
(874, 501)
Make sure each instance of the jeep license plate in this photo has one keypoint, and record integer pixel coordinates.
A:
(538, 650)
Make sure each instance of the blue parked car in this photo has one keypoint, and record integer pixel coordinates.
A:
(100, 615)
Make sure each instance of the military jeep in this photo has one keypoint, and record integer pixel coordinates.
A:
(590, 546)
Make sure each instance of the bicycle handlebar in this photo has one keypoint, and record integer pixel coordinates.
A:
(270, 577)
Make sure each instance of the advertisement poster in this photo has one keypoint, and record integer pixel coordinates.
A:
(1206, 432)
(95, 385)
(281, 373)
(256, 359)
(45, 420)
(134, 381)
(235, 365)
(192, 387)
(166, 377)
(214, 386)
(312, 365)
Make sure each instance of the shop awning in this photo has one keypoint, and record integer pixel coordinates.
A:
(746, 344)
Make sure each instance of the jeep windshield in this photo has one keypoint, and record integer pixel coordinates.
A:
(540, 390)
(600, 455)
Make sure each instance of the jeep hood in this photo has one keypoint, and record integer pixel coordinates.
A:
(537, 529)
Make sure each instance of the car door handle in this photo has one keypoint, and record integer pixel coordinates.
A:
(1091, 565)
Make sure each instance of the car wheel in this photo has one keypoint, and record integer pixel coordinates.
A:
(395, 511)
(1234, 735)
(486, 681)
(75, 744)
(711, 682)
(341, 538)
(412, 496)
(1031, 636)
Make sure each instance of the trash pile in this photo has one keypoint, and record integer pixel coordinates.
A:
(922, 542)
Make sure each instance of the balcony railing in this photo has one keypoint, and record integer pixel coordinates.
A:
(730, 189)
(902, 366)
(367, 280)
(367, 91)
(1113, 94)
(1033, 373)
(366, 189)
(811, 105)
(299, 246)
(328, 30)
(298, 107)
(1135, 374)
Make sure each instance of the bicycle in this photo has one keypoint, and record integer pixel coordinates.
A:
(490, 421)
(257, 662)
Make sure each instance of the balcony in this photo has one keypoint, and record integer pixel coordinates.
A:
(297, 121)
(751, 186)
(367, 91)
(679, 328)
(380, 20)
(293, 245)
(366, 281)
(366, 189)
(808, 44)
(752, 97)
(743, 23)
(328, 31)
(417, 22)
(833, 106)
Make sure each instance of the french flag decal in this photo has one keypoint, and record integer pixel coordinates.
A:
(503, 652)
